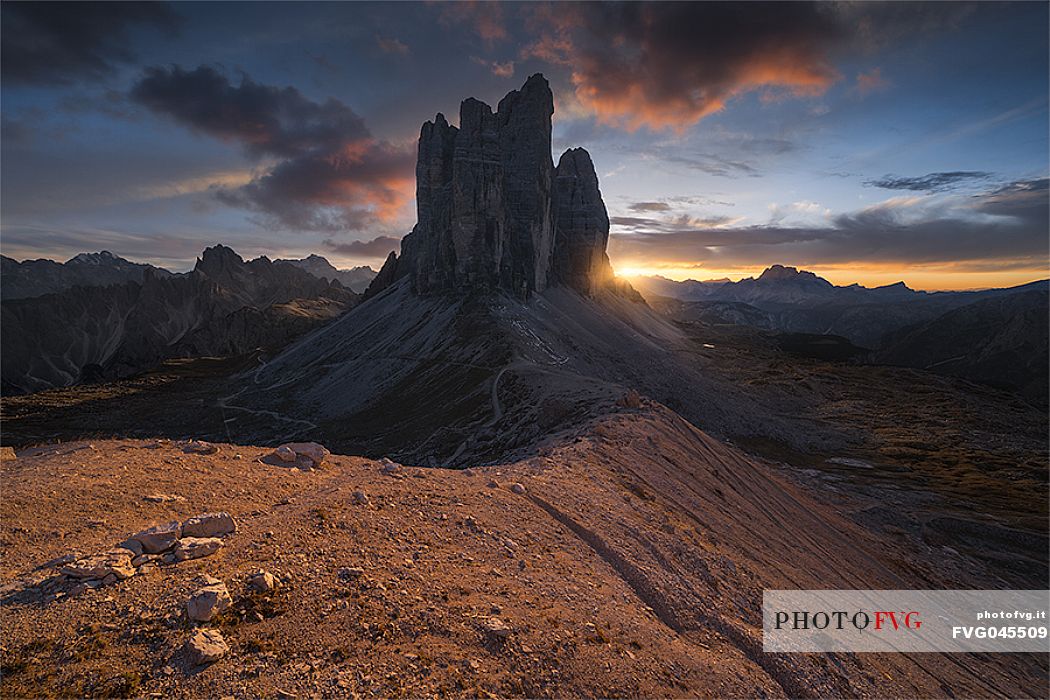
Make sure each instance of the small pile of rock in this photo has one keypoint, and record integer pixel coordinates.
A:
(303, 455)
(200, 536)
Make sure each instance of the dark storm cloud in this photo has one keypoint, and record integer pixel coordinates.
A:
(874, 235)
(378, 247)
(672, 64)
(267, 120)
(330, 174)
(933, 182)
(58, 43)
(1025, 200)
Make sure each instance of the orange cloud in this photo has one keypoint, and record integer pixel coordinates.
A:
(672, 64)
(485, 18)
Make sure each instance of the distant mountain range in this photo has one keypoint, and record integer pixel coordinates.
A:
(356, 278)
(117, 327)
(994, 336)
(34, 278)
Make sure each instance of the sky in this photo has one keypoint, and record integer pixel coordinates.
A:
(867, 142)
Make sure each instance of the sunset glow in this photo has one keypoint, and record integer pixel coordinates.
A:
(831, 137)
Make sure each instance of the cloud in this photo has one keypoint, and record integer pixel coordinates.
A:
(378, 247)
(672, 64)
(484, 18)
(713, 164)
(1008, 223)
(932, 182)
(392, 45)
(1022, 200)
(324, 169)
(872, 81)
(59, 43)
(500, 70)
(650, 206)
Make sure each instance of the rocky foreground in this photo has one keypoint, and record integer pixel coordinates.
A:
(625, 559)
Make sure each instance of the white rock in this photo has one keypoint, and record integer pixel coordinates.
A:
(497, 627)
(208, 600)
(116, 562)
(389, 467)
(311, 451)
(163, 498)
(196, 547)
(209, 525)
(205, 647)
(159, 537)
(200, 447)
(262, 582)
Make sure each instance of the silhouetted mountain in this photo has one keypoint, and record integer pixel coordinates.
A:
(493, 213)
(1001, 341)
(224, 306)
(356, 279)
(787, 299)
(499, 324)
(778, 286)
(33, 278)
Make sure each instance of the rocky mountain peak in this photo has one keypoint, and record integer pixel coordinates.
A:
(787, 273)
(492, 211)
(103, 257)
(218, 260)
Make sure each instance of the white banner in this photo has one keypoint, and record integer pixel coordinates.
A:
(905, 621)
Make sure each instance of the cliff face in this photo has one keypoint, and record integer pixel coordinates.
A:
(492, 211)
(582, 224)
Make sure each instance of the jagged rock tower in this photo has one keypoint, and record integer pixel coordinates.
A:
(492, 210)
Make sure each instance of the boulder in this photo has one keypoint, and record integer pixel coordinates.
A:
(262, 582)
(199, 447)
(496, 627)
(208, 600)
(116, 563)
(196, 547)
(311, 451)
(159, 537)
(209, 525)
(133, 546)
(304, 455)
(205, 646)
